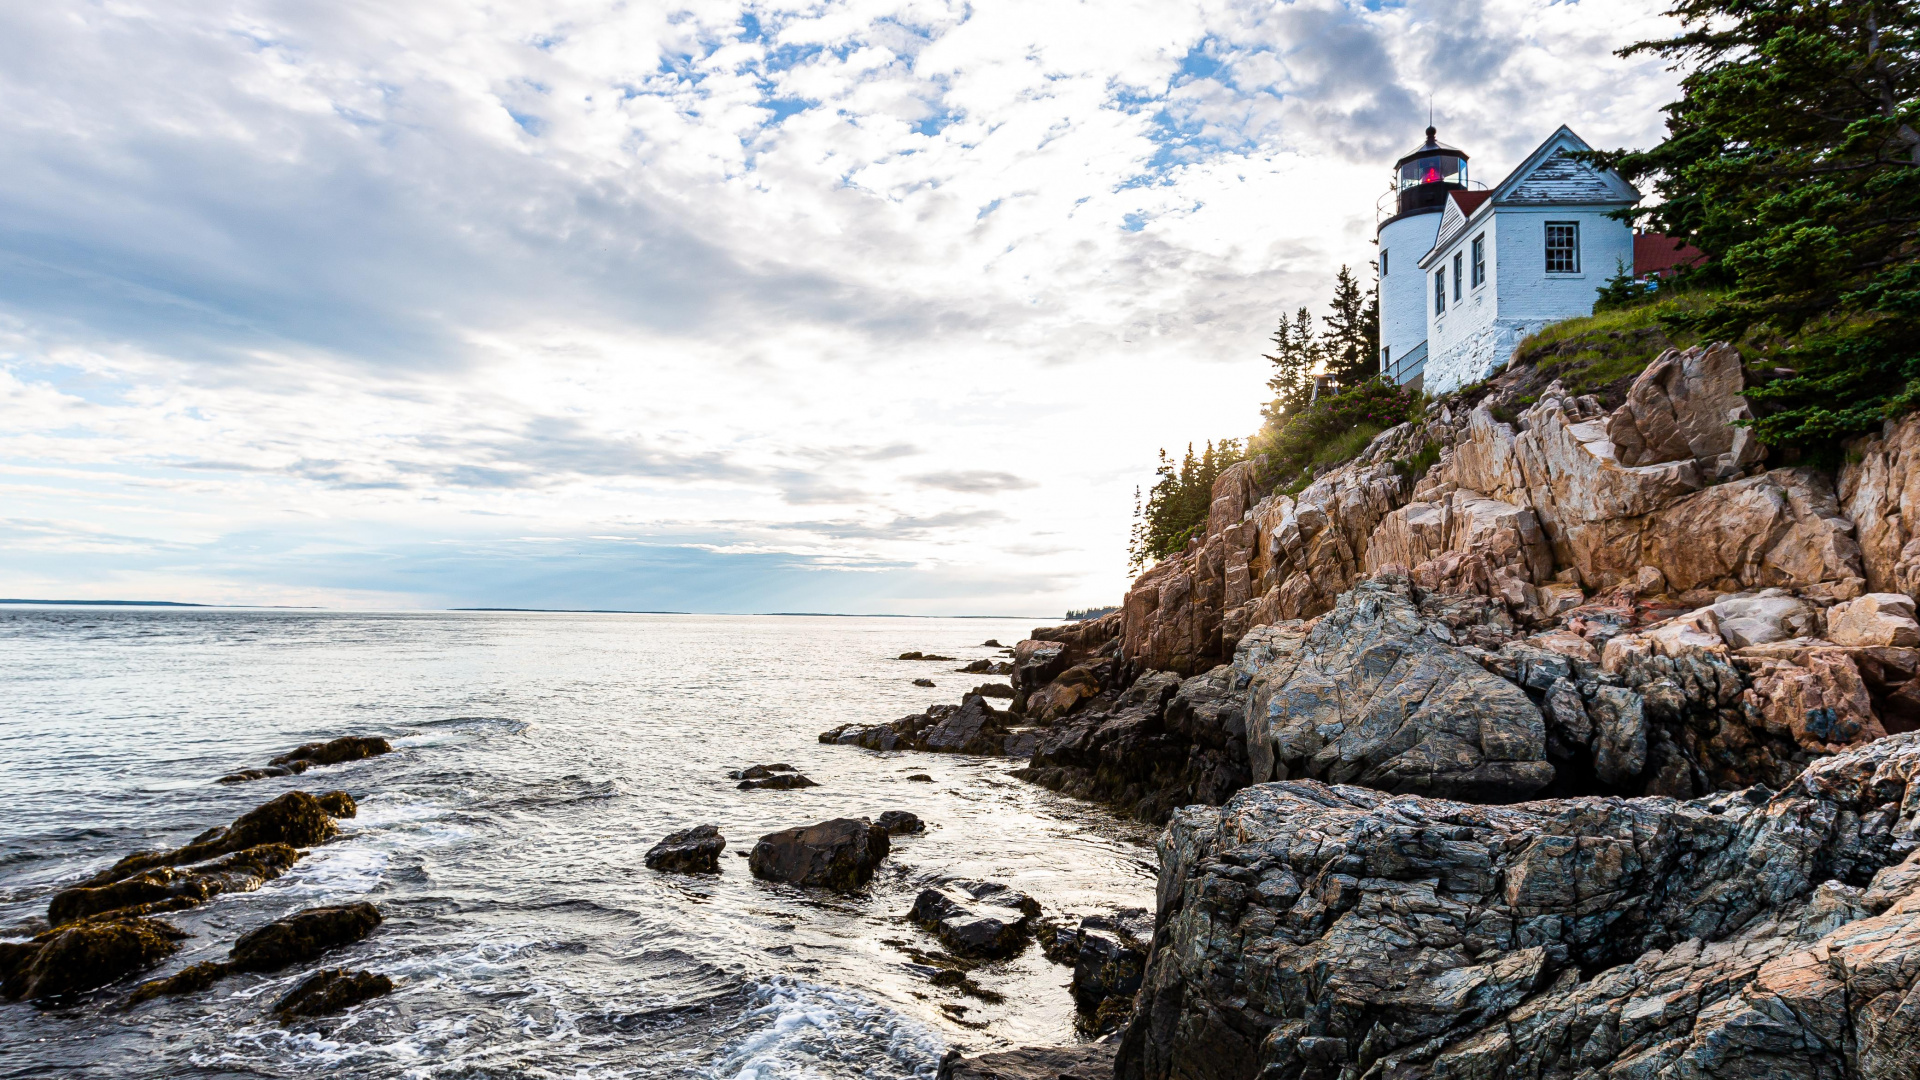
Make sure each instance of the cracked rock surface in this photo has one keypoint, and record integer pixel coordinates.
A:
(1316, 931)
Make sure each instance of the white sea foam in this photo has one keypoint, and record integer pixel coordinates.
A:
(800, 1027)
(334, 870)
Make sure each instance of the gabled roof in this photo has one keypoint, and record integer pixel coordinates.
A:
(1548, 177)
(1655, 254)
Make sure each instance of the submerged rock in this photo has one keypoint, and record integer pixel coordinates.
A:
(689, 851)
(303, 936)
(1308, 930)
(759, 772)
(307, 755)
(777, 782)
(88, 955)
(168, 888)
(900, 821)
(188, 980)
(1108, 955)
(296, 819)
(838, 854)
(923, 682)
(330, 990)
(976, 919)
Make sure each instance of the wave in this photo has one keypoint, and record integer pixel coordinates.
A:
(803, 1026)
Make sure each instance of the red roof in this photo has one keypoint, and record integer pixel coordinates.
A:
(1470, 200)
(1655, 255)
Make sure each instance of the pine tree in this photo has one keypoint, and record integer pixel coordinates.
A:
(1793, 161)
(1297, 354)
(1352, 339)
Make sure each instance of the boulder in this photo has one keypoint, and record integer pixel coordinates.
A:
(1682, 407)
(1880, 493)
(1108, 954)
(993, 690)
(777, 782)
(972, 727)
(330, 990)
(307, 755)
(978, 667)
(168, 888)
(976, 919)
(1375, 694)
(897, 822)
(302, 936)
(689, 851)
(1307, 930)
(838, 854)
(88, 955)
(1874, 619)
(191, 979)
(1760, 619)
(923, 682)
(296, 819)
(920, 778)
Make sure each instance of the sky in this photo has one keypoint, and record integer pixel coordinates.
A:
(867, 306)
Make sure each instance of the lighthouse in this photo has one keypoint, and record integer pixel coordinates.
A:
(1421, 182)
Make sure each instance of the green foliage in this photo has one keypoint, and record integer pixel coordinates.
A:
(1176, 508)
(1793, 161)
(1085, 613)
(1591, 353)
(1334, 429)
(1347, 347)
(1623, 290)
(1423, 459)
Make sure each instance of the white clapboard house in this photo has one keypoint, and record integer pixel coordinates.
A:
(1466, 271)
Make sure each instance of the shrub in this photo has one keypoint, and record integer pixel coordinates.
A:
(1299, 445)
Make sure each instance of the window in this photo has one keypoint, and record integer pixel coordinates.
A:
(1383, 262)
(1386, 359)
(1563, 247)
(1457, 257)
(1440, 293)
(1480, 260)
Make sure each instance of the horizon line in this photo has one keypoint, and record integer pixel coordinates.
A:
(526, 610)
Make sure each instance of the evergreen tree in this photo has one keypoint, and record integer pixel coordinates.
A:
(1179, 502)
(1793, 161)
(1352, 339)
(1297, 354)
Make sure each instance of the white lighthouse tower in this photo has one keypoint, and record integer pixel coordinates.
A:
(1421, 182)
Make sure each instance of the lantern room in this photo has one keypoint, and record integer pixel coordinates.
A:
(1425, 176)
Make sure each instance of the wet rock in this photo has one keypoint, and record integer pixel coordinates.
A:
(897, 822)
(168, 888)
(689, 851)
(759, 772)
(302, 936)
(1308, 930)
(978, 667)
(339, 804)
(777, 782)
(189, 980)
(991, 643)
(89, 955)
(976, 919)
(922, 656)
(923, 682)
(296, 819)
(1108, 955)
(972, 727)
(1376, 695)
(1082, 1061)
(307, 755)
(330, 990)
(993, 690)
(838, 854)
(920, 778)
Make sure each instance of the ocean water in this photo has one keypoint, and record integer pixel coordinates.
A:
(538, 756)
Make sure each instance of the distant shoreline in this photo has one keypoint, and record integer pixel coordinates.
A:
(524, 610)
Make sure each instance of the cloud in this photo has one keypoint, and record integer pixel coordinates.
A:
(973, 481)
(310, 279)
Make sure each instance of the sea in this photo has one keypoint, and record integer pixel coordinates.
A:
(537, 757)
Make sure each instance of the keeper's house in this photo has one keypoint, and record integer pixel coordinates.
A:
(1466, 273)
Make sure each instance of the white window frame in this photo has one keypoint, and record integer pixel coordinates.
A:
(1458, 260)
(1480, 260)
(1383, 262)
(1547, 249)
(1440, 292)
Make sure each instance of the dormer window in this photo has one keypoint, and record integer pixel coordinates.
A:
(1563, 247)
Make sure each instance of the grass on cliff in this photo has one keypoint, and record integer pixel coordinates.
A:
(1601, 353)
(1294, 447)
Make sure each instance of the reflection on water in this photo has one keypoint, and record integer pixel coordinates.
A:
(537, 758)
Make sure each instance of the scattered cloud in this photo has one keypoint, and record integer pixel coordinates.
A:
(973, 481)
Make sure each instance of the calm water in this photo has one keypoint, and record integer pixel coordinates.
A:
(538, 757)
